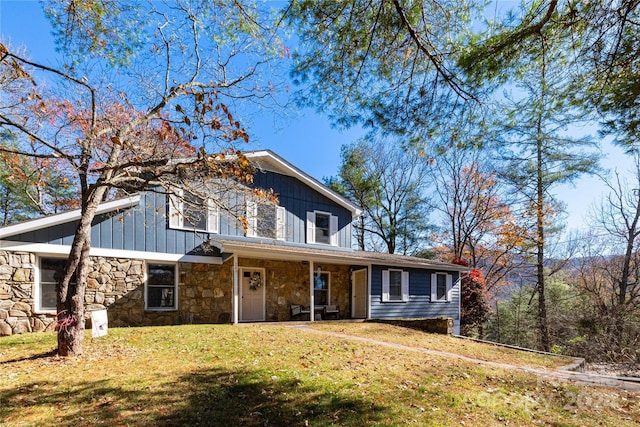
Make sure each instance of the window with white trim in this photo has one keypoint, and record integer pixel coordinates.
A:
(265, 220)
(187, 211)
(322, 227)
(161, 287)
(395, 286)
(321, 282)
(441, 285)
(51, 273)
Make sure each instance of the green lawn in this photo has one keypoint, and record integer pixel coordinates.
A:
(278, 376)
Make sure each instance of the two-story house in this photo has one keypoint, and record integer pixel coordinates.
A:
(154, 265)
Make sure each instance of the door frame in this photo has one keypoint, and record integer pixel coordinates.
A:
(264, 300)
(366, 293)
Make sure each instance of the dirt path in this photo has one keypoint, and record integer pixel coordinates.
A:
(560, 374)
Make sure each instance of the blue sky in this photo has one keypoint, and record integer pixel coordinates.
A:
(304, 138)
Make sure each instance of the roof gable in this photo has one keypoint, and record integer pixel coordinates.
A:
(269, 161)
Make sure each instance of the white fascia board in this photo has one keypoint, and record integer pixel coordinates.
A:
(47, 249)
(66, 217)
(418, 265)
(274, 254)
(293, 171)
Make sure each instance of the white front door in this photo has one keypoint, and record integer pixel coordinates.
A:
(359, 294)
(252, 294)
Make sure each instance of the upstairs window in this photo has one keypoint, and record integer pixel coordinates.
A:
(441, 284)
(187, 211)
(395, 286)
(322, 228)
(265, 220)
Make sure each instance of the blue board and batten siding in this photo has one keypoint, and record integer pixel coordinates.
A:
(141, 228)
(145, 226)
(298, 198)
(419, 304)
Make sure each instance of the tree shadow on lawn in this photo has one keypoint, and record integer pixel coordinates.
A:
(202, 398)
(250, 398)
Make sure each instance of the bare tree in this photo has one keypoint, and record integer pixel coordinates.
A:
(609, 268)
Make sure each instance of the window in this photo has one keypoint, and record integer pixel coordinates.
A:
(321, 288)
(161, 289)
(395, 285)
(265, 220)
(51, 273)
(187, 211)
(322, 227)
(441, 284)
(322, 233)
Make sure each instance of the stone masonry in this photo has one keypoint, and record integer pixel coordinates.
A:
(205, 292)
(16, 295)
(287, 283)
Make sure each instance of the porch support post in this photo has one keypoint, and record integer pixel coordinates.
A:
(311, 297)
(236, 299)
(369, 269)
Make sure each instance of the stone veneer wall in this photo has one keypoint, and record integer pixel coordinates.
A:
(204, 296)
(16, 296)
(287, 283)
(204, 292)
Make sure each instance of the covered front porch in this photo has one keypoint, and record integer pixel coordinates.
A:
(289, 284)
(273, 290)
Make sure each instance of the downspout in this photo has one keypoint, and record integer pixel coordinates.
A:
(368, 309)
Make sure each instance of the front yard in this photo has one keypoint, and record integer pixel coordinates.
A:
(271, 375)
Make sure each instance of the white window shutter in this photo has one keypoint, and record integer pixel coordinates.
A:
(385, 285)
(280, 223)
(405, 286)
(213, 222)
(311, 227)
(434, 287)
(176, 220)
(252, 218)
(333, 230)
(449, 287)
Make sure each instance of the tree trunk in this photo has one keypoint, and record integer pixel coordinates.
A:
(70, 297)
(540, 242)
(540, 220)
(71, 319)
(360, 233)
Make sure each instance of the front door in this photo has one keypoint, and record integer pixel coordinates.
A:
(252, 293)
(359, 294)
